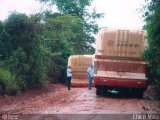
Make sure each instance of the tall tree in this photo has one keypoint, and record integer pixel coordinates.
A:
(5, 45)
(152, 52)
(21, 29)
(60, 37)
(29, 56)
(80, 8)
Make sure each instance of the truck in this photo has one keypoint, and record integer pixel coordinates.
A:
(79, 65)
(118, 63)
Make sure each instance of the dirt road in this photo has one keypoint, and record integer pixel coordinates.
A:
(56, 99)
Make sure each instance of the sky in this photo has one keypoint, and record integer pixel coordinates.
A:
(122, 14)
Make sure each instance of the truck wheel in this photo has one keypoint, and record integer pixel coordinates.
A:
(138, 93)
(98, 91)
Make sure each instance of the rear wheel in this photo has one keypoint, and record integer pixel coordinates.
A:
(138, 93)
(99, 91)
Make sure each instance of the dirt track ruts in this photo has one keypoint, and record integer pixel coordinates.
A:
(56, 99)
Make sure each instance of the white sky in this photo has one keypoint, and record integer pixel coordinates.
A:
(118, 13)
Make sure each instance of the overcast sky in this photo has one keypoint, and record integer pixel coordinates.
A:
(118, 13)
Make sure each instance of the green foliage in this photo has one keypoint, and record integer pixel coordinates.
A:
(5, 46)
(87, 22)
(65, 29)
(60, 37)
(38, 64)
(152, 52)
(17, 64)
(9, 81)
(29, 57)
(77, 7)
(22, 30)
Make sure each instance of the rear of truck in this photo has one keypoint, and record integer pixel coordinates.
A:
(118, 63)
(79, 65)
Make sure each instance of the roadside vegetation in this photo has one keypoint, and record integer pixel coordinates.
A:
(151, 14)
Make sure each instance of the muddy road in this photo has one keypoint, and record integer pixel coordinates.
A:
(56, 99)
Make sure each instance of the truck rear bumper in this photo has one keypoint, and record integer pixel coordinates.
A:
(120, 82)
(80, 83)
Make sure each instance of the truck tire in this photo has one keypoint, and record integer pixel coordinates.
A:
(98, 91)
(138, 93)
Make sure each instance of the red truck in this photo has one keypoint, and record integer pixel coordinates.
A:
(118, 64)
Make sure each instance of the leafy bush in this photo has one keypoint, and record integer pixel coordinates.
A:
(151, 16)
(29, 55)
(38, 64)
(17, 65)
(9, 81)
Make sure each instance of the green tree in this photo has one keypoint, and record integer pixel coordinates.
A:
(5, 39)
(152, 26)
(86, 28)
(60, 37)
(22, 30)
(17, 64)
(30, 55)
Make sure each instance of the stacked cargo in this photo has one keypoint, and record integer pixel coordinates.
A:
(79, 65)
(120, 43)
